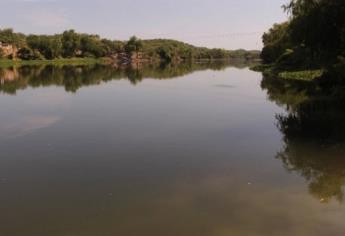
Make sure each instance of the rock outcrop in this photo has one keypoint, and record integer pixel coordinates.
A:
(8, 50)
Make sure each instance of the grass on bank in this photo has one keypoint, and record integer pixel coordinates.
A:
(306, 75)
(5, 63)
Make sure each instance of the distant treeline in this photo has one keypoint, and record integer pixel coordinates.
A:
(71, 44)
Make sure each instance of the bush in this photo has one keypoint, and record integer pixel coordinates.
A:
(336, 74)
(29, 54)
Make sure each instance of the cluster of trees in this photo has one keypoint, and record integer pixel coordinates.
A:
(66, 45)
(16, 39)
(172, 50)
(71, 44)
(314, 35)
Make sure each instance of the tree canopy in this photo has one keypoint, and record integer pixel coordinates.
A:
(314, 35)
(71, 44)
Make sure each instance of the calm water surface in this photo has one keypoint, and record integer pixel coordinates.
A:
(206, 150)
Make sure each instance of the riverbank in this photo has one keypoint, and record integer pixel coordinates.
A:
(288, 74)
(5, 63)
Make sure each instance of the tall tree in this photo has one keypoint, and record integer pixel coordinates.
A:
(316, 30)
(70, 43)
(134, 45)
(10, 37)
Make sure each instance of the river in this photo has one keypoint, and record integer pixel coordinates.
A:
(195, 149)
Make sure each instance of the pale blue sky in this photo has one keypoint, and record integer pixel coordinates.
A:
(227, 24)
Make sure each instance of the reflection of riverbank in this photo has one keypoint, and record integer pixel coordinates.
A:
(75, 77)
(314, 135)
(8, 75)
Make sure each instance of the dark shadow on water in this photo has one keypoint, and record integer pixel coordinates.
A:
(313, 128)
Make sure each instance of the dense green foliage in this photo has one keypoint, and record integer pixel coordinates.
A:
(49, 47)
(133, 45)
(10, 37)
(314, 36)
(172, 50)
(71, 44)
(276, 42)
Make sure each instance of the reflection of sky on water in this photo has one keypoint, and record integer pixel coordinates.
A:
(26, 125)
(35, 109)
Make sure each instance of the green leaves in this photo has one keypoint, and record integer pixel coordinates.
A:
(134, 45)
(315, 32)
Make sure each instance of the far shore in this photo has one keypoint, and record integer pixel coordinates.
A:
(6, 63)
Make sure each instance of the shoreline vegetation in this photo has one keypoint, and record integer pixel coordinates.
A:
(310, 46)
(304, 72)
(5, 63)
(76, 48)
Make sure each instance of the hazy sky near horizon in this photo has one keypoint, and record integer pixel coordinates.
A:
(226, 24)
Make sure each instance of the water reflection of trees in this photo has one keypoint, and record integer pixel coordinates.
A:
(74, 77)
(314, 135)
